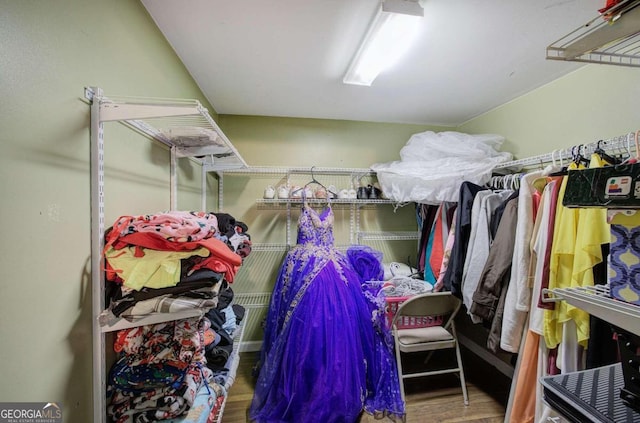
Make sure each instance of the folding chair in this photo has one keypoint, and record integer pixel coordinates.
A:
(411, 336)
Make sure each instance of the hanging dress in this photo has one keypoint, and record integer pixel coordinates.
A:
(323, 357)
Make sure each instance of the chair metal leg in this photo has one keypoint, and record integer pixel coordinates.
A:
(462, 379)
(400, 378)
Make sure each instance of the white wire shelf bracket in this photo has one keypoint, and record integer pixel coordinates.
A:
(389, 236)
(623, 143)
(611, 38)
(597, 301)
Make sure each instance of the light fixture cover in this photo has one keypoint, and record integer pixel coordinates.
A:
(389, 36)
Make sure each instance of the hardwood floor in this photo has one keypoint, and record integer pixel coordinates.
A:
(436, 399)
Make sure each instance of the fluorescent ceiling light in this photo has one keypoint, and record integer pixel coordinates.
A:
(389, 36)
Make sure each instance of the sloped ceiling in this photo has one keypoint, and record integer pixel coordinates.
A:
(288, 57)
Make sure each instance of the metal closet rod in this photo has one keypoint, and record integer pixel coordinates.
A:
(301, 170)
(624, 143)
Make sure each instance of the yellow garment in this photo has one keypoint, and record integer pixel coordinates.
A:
(577, 238)
(156, 269)
(593, 231)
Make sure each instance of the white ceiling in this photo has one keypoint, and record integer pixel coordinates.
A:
(288, 57)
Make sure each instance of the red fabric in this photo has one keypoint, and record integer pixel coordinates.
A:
(536, 197)
(221, 258)
(112, 236)
(552, 368)
(437, 248)
(547, 253)
(609, 4)
(213, 416)
(111, 274)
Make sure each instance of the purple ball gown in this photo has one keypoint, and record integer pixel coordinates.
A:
(327, 355)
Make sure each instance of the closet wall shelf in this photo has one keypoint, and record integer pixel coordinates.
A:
(187, 129)
(285, 247)
(111, 323)
(623, 144)
(597, 301)
(253, 299)
(269, 247)
(303, 170)
(388, 236)
(604, 39)
(336, 201)
(184, 125)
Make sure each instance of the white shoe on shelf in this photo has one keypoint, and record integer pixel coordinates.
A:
(343, 194)
(283, 192)
(269, 192)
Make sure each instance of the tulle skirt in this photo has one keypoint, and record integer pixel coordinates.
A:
(326, 356)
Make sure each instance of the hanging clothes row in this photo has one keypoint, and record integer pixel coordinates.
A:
(624, 146)
(509, 240)
(569, 247)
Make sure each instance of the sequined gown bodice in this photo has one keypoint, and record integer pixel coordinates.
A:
(315, 228)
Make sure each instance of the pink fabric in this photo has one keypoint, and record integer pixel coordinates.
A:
(446, 253)
(177, 226)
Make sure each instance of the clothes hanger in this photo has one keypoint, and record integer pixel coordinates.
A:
(627, 148)
(637, 142)
(495, 182)
(507, 181)
(554, 166)
(604, 156)
(579, 158)
(631, 159)
(314, 181)
(515, 181)
(563, 169)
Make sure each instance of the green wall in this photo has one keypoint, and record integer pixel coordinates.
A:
(51, 50)
(271, 141)
(595, 102)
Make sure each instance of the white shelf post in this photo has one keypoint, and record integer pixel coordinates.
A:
(97, 237)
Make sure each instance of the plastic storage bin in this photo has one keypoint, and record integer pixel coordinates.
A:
(408, 322)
